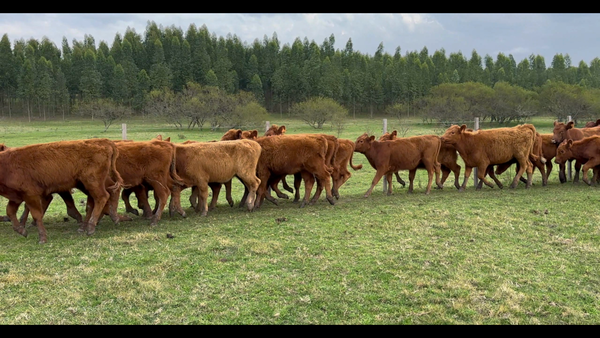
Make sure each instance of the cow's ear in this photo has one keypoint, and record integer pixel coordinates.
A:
(395, 133)
(569, 143)
(463, 128)
(159, 137)
(570, 124)
(254, 133)
(372, 138)
(238, 134)
(168, 139)
(555, 123)
(598, 122)
(282, 130)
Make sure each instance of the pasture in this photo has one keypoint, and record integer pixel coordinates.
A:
(510, 256)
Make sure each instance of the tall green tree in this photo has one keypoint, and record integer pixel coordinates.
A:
(43, 85)
(160, 73)
(90, 83)
(8, 73)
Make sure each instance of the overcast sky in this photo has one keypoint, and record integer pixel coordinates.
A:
(521, 35)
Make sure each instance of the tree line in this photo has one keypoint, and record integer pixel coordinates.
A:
(142, 73)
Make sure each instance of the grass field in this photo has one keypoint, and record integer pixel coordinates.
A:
(511, 256)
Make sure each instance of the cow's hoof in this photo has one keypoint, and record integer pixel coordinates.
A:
(133, 211)
(331, 200)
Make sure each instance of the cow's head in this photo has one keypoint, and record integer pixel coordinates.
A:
(559, 133)
(363, 143)
(453, 134)
(389, 136)
(232, 134)
(275, 130)
(3, 147)
(250, 134)
(564, 152)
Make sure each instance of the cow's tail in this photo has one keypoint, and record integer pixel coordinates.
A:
(114, 174)
(358, 167)
(173, 170)
(537, 148)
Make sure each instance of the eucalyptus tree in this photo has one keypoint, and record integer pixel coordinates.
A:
(106, 68)
(116, 49)
(60, 91)
(129, 67)
(458, 65)
(524, 75)
(199, 59)
(440, 72)
(475, 68)
(222, 67)
(8, 74)
(43, 85)
(583, 74)
(90, 82)
(142, 90)
(26, 84)
(160, 73)
(538, 67)
(119, 91)
(311, 71)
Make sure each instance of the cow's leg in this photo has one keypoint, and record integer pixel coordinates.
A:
(297, 182)
(36, 208)
(430, 171)
(275, 188)
(324, 176)
(456, 170)
(175, 203)
(142, 194)
(466, 176)
(202, 207)
(125, 197)
(492, 175)
(216, 189)
(46, 200)
(523, 165)
(411, 180)
(245, 197)
(162, 192)
(399, 179)
(286, 186)
(252, 183)
(11, 212)
(481, 173)
(309, 181)
(548, 168)
(112, 206)
(317, 194)
(100, 197)
(388, 178)
(562, 177)
(577, 168)
(71, 207)
(590, 164)
(194, 197)
(437, 167)
(445, 174)
(273, 181)
(228, 193)
(378, 175)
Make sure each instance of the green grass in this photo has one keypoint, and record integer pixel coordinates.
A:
(511, 256)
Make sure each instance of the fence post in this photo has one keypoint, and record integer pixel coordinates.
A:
(267, 126)
(569, 161)
(124, 130)
(475, 178)
(385, 187)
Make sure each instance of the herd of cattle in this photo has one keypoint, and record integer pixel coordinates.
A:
(105, 169)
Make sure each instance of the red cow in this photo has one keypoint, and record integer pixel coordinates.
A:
(563, 131)
(29, 173)
(447, 157)
(407, 153)
(586, 151)
(482, 148)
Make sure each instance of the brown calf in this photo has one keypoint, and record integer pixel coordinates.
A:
(447, 158)
(292, 154)
(203, 162)
(564, 131)
(482, 148)
(406, 153)
(586, 151)
(29, 173)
